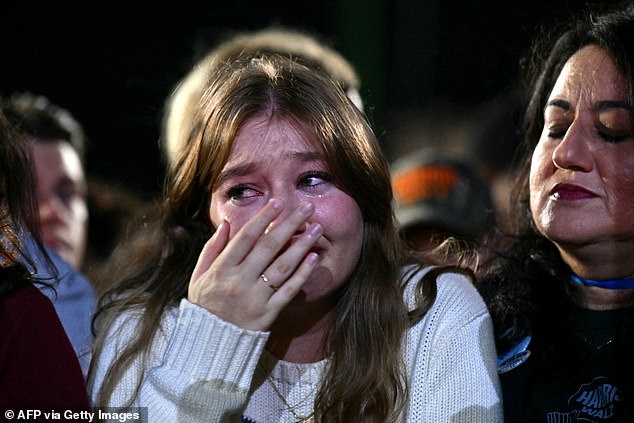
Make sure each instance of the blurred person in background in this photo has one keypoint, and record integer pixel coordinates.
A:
(38, 367)
(114, 209)
(57, 144)
(440, 197)
(494, 139)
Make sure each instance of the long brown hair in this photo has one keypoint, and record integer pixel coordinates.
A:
(365, 374)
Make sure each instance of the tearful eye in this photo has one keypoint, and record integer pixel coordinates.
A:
(241, 193)
(314, 179)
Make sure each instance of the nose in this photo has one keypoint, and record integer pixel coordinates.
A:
(573, 152)
(50, 209)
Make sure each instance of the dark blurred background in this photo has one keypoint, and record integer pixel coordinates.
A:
(112, 64)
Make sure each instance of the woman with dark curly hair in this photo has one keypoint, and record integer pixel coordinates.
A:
(562, 295)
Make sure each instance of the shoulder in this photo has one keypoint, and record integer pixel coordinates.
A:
(458, 320)
(26, 313)
(72, 286)
(27, 302)
(458, 291)
(454, 290)
(38, 361)
(457, 309)
(28, 321)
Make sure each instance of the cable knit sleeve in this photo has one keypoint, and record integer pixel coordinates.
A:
(451, 358)
(199, 368)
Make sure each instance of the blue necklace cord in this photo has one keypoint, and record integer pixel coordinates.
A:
(624, 283)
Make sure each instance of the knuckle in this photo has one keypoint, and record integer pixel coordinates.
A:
(283, 267)
(270, 243)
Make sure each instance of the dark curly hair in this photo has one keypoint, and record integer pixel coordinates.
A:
(523, 281)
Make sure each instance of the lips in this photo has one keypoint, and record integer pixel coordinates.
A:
(54, 240)
(570, 192)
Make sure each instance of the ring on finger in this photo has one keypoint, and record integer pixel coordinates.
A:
(267, 281)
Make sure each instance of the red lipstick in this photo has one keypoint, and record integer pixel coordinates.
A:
(570, 192)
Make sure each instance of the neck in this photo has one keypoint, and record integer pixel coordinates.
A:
(596, 298)
(602, 260)
(298, 335)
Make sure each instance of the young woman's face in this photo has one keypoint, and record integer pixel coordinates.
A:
(582, 171)
(278, 159)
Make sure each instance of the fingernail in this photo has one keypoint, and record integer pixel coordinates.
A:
(307, 208)
(276, 203)
(316, 230)
(312, 258)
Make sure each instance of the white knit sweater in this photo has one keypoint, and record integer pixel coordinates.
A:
(203, 369)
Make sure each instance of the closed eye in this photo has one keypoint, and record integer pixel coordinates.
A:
(613, 138)
(556, 135)
(557, 131)
(613, 135)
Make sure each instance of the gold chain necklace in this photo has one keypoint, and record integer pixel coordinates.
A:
(596, 346)
(300, 417)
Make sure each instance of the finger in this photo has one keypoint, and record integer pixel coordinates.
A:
(212, 248)
(284, 265)
(248, 235)
(289, 290)
(270, 245)
(266, 281)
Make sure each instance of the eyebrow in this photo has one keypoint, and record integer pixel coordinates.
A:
(305, 156)
(245, 168)
(601, 105)
(614, 104)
